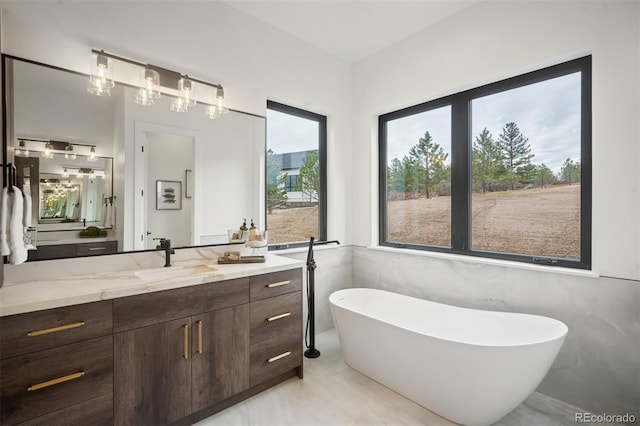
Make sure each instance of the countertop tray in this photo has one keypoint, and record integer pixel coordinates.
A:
(242, 259)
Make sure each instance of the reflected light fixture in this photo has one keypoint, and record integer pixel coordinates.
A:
(48, 150)
(21, 150)
(69, 153)
(92, 174)
(92, 154)
(101, 77)
(65, 172)
(186, 95)
(149, 89)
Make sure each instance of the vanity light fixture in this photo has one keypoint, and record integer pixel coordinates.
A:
(21, 150)
(69, 153)
(92, 154)
(92, 174)
(151, 79)
(215, 111)
(186, 95)
(149, 89)
(65, 173)
(101, 78)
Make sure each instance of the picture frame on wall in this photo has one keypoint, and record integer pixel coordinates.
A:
(168, 195)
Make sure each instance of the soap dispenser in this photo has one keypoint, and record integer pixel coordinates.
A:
(253, 232)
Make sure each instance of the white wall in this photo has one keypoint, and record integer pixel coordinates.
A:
(220, 44)
(598, 368)
(495, 40)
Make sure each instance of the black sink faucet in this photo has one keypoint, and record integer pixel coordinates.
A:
(165, 244)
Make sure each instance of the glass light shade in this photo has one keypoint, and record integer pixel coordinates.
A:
(211, 111)
(69, 153)
(48, 150)
(101, 78)
(149, 87)
(80, 174)
(21, 150)
(92, 154)
(92, 174)
(222, 109)
(186, 96)
(65, 172)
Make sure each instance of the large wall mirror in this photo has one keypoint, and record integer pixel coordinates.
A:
(104, 162)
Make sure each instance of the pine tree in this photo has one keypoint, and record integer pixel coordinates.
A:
(487, 160)
(429, 158)
(516, 151)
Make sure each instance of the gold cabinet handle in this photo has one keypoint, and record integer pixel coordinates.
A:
(277, 317)
(278, 284)
(55, 329)
(199, 351)
(185, 327)
(55, 381)
(277, 357)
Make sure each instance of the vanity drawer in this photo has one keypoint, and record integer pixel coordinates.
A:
(270, 358)
(275, 284)
(92, 249)
(276, 316)
(94, 412)
(46, 381)
(35, 331)
(161, 306)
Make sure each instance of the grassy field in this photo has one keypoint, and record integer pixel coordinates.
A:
(543, 222)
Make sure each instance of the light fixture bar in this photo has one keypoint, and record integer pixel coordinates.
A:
(171, 76)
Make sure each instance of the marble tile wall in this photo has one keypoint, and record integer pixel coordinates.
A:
(333, 272)
(598, 368)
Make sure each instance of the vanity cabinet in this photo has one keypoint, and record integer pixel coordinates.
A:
(276, 325)
(57, 366)
(60, 251)
(180, 351)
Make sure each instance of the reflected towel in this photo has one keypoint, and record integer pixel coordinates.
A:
(5, 205)
(26, 221)
(18, 253)
(107, 220)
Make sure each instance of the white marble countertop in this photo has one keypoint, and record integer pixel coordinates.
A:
(28, 296)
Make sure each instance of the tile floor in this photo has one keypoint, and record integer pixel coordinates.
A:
(333, 394)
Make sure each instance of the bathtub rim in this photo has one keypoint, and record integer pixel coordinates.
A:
(561, 336)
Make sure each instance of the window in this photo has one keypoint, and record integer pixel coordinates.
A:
(500, 171)
(296, 175)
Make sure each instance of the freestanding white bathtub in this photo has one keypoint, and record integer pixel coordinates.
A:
(470, 366)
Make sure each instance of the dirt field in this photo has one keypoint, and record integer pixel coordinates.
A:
(292, 225)
(544, 222)
(537, 221)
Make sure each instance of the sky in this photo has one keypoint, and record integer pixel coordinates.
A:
(547, 113)
(288, 133)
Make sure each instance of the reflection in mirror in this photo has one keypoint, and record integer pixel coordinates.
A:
(219, 164)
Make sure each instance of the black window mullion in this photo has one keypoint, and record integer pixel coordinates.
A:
(460, 174)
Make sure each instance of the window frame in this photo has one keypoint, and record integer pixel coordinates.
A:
(461, 173)
(322, 165)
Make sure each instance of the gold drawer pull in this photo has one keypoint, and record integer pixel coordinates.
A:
(278, 284)
(199, 351)
(55, 381)
(185, 327)
(277, 317)
(277, 357)
(55, 329)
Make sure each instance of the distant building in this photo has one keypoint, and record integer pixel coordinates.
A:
(291, 164)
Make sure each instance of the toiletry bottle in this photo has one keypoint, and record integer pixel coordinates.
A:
(253, 232)
(243, 230)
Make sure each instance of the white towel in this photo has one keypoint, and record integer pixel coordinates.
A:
(5, 205)
(26, 221)
(107, 220)
(18, 253)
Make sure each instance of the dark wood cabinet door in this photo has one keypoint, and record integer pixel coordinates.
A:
(152, 374)
(221, 370)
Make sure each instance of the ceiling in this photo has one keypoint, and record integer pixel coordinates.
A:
(350, 29)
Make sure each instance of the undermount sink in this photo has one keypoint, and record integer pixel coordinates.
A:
(176, 271)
